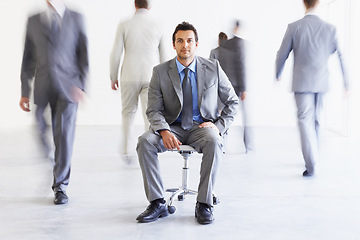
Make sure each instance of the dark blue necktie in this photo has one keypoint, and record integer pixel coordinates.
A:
(55, 23)
(187, 111)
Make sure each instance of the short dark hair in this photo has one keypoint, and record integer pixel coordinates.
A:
(142, 3)
(310, 3)
(185, 26)
(223, 36)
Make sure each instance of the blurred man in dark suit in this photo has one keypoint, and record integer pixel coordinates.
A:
(56, 56)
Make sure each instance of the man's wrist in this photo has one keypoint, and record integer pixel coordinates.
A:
(162, 131)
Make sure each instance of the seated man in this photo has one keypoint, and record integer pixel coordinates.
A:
(182, 109)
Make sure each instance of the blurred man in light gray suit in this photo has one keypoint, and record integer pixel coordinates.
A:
(140, 38)
(56, 55)
(312, 40)
(182, 109)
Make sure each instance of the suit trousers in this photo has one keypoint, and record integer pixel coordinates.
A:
(309, 109)
(42, 126)
(204, 140)
(130, 94)
(63, 118)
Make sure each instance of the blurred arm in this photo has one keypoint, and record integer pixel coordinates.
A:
(28, 65)
(82, 53)
(342, 64)
(115, 57)
(24, 104)
(283, 53)
(229, 99)
(243, 96)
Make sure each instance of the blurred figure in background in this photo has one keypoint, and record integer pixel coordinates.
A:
(214, 53)
(140, 38)
(56, 56)
(312, 40)
(231, 56)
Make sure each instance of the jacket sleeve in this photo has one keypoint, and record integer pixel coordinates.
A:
(155, 107)
(283, 52)
(230, 100)
(341, 61)
(28, 65)
(82, 53)
(116, 53)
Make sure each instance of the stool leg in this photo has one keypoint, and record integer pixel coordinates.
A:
(183, 190)
(185, 176)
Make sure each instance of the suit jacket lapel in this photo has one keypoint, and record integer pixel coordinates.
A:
(45, 25)
(62, 28)
(175, 79)
(64, 22)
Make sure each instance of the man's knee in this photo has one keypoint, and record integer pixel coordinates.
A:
(148, 140)
(213, 139)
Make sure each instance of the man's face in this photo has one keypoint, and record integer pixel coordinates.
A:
(185, 45)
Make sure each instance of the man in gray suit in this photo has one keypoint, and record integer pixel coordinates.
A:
(141, 41)
(312, 40)
(231, 56)
(172, 125)
(56, 55)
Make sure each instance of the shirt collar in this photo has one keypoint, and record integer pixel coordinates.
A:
(142, 11)
(59, 7)
(181, 67)
(311, 12)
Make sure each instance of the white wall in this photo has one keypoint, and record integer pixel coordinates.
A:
(265, 24)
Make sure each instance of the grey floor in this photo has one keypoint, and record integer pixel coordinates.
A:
(263, 195)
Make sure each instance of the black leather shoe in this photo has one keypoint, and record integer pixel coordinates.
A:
(203, 213)
(307, 174)
(154, 211)
(60, 198)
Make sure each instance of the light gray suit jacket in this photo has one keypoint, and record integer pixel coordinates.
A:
(141, 41)
(312, 40)
(57, 62)
(165, 97)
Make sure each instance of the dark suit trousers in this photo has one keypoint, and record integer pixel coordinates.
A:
(63, 115)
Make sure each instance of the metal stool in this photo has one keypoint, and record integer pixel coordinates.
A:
(186, 151)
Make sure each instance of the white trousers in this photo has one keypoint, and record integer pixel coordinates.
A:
(130, 93)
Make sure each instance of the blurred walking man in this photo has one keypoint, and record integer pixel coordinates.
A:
(140, 38)
(56, 55)
(312, 40)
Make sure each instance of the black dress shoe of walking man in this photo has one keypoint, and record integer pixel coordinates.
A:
(307, 174)
(60, 198)
(155, 210)
(203, 213)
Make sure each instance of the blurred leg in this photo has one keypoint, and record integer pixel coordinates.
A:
(306, 119)
(64, 121)
(42, 128)
(129, 97)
